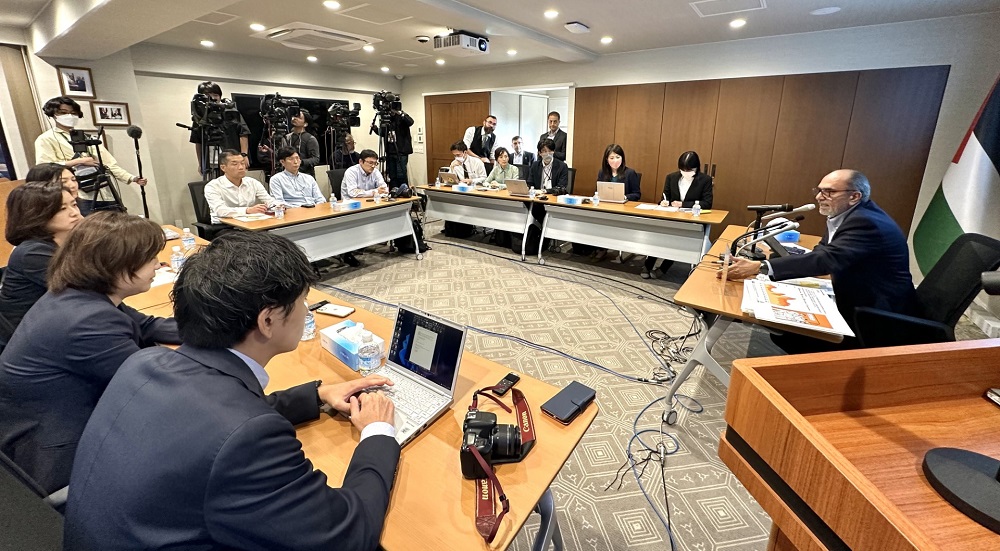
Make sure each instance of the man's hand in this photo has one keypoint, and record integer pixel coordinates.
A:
(337, 395)
(384, 188)
(741, 268)
(466, 181)
(141, 181)
(456, 163)
(257, 209)
(371, 407)
(485, 160)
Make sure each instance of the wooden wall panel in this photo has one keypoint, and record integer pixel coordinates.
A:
(809, 139)
(895, 113)
(593, 129)
(744, 143)
(689, 113)
(447, 118)
(637, 130)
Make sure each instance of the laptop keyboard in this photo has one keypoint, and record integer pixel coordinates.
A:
(412, 400)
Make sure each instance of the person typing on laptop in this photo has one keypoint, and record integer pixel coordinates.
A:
(468, 167)
(184, 449)
(613, 169)
(503, 170)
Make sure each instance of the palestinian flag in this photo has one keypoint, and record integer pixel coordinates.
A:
(968, 200)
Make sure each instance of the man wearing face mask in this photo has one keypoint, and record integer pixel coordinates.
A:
(469, 168)
(53, 146)
(548, 173)
(235, 134)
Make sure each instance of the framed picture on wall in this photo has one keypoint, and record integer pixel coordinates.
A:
(76, 82)
(109, 113)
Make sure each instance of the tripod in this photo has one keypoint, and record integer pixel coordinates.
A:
(99, 179)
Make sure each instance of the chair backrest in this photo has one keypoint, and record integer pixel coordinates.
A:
(956, 279)
(570, 179)
(522, 172)
(323, 180)
(26, 522)
(336, 180)
(201, 210)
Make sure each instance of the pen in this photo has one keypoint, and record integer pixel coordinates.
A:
(664, 197)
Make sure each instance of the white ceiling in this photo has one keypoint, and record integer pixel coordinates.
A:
(19, 13)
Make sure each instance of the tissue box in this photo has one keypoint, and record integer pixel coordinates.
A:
(462, 187)
(569, 199)
(345, 350)
(347, 205)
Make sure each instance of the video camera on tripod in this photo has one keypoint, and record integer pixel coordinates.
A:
(93, 179)
(343, 119)
(277, 112)
(209, 116)
(387, 105)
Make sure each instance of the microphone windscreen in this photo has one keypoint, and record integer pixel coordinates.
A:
(134, 132)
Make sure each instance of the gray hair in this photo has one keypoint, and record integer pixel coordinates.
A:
(859, 182)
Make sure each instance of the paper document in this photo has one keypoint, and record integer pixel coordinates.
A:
(252, 217)
(824, 285)
(647, 206)
(163, 276)
(803, 307)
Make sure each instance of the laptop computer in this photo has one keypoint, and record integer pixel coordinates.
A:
(611, 192)
(424, 356)
(449, 178)
(517, 188)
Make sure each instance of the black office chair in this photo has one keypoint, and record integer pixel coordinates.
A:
(29, 518)
(943, 295)
(336, 177)
(206, 229)
(569, 180)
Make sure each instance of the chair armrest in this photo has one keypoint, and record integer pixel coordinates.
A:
(875, 328)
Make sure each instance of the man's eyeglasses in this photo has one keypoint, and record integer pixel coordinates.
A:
(370, 163)
(828, 193)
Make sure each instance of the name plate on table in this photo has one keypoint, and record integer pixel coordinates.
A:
(569, 199)
(463, 188)
(347, 205)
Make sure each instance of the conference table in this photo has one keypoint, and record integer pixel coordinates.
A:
(705, 295)
(323, 232)
(160, 294)
(432, 506)
(496, 209)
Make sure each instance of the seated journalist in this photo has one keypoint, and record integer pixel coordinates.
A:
(548, 173)
(233, 194)
(74, 339)
(681, 189)
(863, 250)
(185, 451)
(291, 186)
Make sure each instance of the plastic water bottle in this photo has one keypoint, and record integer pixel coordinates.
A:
(596, 199)
(176, 258)
(279, 212)
(309, 330)
(696, 209)
(369, 354)
(187, 239)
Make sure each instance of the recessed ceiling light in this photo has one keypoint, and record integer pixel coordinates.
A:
(737, 23)
(606, 40)
(511, 52)
(331, 5)
(368, 48)
(313, 58)
(207, 43)
(825, 11)
(551, 14)
(257, 27)
(385, 69)
(440, 62)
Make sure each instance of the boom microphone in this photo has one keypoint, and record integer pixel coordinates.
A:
(135, 133)
(803, 208)
(764, 208)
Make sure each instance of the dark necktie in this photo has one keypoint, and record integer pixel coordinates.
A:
(465, 171)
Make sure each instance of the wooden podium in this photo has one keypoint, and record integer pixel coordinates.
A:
(831, 444)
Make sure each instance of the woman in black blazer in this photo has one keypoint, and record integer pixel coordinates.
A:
(614, 169)
(40, 215)
(682, 189)
(74, 339)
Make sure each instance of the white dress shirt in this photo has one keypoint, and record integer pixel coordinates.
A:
(516, 158)
(833, 223)
(226, 200)
(358, 184)
(683, 185)
(470, 133)
(475, 167)
(295, 190)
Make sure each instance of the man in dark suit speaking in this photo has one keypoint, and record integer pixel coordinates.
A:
(184, 450)
(863, 250)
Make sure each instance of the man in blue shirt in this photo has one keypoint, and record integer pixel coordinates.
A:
(363, 179)
(292, 187)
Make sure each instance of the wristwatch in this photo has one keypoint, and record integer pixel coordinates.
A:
(765, 269)
(320, 402)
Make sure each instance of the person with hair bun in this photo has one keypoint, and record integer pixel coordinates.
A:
(73, 340)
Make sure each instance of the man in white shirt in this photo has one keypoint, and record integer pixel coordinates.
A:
(233, 194)
(363, 179)
(519, 156)
(292, 187)
(468, 167)
(482, 140)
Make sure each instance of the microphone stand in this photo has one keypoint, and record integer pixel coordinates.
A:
(142, 189)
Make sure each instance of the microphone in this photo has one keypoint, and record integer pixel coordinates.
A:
(991, 283)
(777, 231)
(765, 208)
(803, 208)
(135, 133)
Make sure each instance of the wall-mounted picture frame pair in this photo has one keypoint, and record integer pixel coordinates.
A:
(78, 83)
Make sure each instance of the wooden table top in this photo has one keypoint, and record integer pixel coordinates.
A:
(712, 216)
(432, 506)
(299, 215)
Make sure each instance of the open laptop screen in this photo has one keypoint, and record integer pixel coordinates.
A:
(427, 346)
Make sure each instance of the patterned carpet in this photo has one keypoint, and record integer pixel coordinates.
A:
(601, 314)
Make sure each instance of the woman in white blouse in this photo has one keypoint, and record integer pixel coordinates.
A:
(682, 189)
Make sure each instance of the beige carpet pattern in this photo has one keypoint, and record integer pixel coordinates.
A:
(600, 315)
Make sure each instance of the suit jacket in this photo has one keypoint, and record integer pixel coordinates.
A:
(24, 282)
(184, 451)
(631, 180)
(868, 262)
(560, 139)
(55, 369)
(700, 190)
(560, 176)
(529, 157)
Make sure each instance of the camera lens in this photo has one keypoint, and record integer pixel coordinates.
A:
(507, 441)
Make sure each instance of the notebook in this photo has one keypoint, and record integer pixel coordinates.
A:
(424, 356)
(517, 188)
(611, 192)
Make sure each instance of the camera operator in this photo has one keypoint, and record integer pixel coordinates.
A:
(346, 156)
(235, 133)
(53, 146)
(397, 145)
(299, 139)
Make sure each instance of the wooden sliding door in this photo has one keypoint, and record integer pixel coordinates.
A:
(447, 118)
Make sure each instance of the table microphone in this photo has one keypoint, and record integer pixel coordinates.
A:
(803, 208)
(764, 208)
(778, 231)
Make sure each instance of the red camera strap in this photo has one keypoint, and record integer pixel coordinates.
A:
(488, 490)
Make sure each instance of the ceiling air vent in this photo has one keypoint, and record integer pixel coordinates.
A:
(304, 36)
